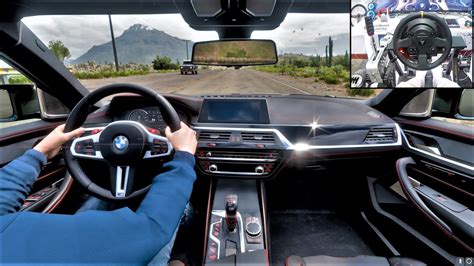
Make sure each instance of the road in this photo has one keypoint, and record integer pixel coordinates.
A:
(225, 81)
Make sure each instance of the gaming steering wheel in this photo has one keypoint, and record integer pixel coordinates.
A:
(420, 36)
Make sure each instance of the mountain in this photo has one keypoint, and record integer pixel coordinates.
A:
(138, 44)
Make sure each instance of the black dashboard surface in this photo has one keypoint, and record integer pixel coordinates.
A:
(313, 120)
(317, 127)
(323, 110)
(316, 121)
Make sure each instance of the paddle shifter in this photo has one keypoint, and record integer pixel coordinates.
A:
(231, 212)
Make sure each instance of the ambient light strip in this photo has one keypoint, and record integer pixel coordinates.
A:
(304, 146)
(470, 168)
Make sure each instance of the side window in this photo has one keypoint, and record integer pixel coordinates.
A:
(456, 108)
(18, 98)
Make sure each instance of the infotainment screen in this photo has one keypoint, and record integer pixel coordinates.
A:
(250, 111)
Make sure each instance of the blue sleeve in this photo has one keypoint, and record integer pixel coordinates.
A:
(119, 236)
(17, 179)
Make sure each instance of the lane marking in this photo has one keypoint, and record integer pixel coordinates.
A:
(293, 87)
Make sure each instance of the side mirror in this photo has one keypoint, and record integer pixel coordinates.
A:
(18, 102)
(466, 105)
(6, 107)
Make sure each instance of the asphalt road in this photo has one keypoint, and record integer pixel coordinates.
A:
(228, 81)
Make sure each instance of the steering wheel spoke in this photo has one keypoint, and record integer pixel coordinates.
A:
(87, 147)
(440, 42)
(158, 146)
(423, 61)
(404, 43)
(121, 180)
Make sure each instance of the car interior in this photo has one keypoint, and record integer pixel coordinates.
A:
(396, 40)
(282, 179)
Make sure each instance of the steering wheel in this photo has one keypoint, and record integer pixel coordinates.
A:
(358, 12)
(120, 144)
(420, 36)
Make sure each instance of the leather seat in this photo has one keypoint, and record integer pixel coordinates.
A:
(351, 261)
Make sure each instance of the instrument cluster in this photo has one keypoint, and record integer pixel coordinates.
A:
(150, 117)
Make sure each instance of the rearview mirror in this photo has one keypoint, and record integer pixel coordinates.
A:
(235, 53)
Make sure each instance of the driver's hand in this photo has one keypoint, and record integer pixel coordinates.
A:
(183, 139)
(51, 144)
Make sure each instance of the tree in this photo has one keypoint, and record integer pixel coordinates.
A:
(346, 59)
(163, 63)
(59, 50)
(315, 61)
(329, 52)
(300, 63)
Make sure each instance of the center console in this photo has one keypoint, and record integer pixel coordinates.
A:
(229, 145)
(236, 225)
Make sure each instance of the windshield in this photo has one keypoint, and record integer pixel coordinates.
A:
(152, 50)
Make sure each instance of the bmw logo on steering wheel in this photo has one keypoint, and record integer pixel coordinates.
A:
(121, 143)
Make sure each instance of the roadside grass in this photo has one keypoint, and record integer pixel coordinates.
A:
(331, 75)
(360, 92)
(113, 74)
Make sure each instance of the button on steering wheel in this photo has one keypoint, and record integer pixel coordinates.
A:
(419, 37)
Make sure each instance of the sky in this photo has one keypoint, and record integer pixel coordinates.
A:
(298, 33)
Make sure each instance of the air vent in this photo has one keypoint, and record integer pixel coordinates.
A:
(380, 135)
(214, 135)
(260, 137)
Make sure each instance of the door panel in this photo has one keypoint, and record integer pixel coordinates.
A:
(16, 140)
(454, 142)
(442, 171)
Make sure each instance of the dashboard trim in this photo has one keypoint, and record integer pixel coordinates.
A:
(288, 145)
(237, 159)
(465, 166)
(234, 173)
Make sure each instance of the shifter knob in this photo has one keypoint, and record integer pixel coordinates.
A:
(231, 211)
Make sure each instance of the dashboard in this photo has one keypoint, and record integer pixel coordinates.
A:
(254, 137)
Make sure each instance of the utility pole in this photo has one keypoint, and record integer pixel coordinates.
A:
(113, 43)
(187, 53)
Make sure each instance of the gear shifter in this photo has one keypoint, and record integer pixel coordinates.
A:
(231, 212)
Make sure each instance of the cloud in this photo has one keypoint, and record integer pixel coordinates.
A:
(80, 32)
(299, 33)
(309, 33)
